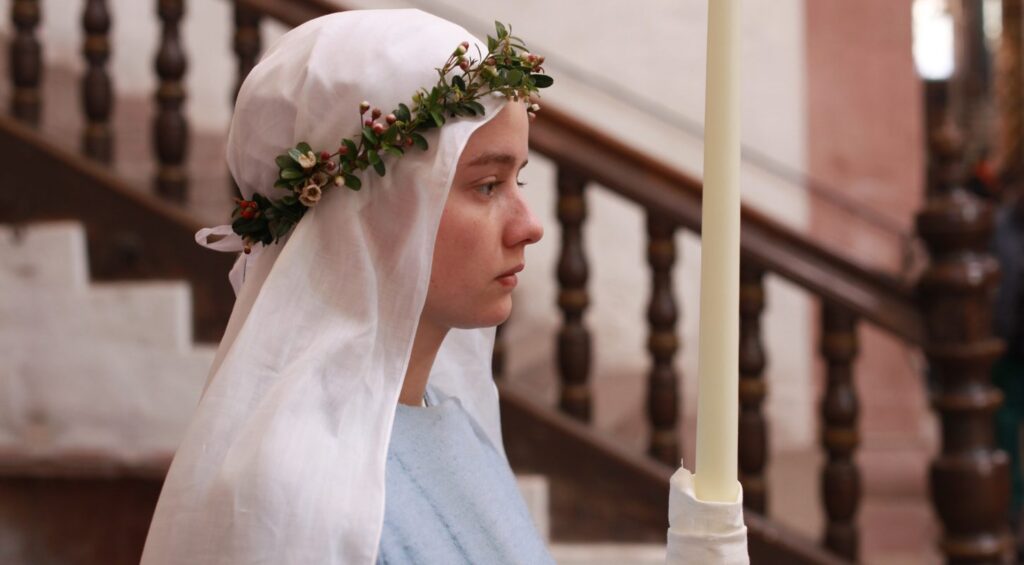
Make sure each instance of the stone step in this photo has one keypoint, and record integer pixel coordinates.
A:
(44, 272)
(152, 313)
(108, 370)
(608, 553)
(45, 254)
(122, 403)
(534, 489)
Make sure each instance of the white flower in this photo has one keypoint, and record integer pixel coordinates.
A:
(311, 194)
(308, 160)
(319, 178)
(338, 181)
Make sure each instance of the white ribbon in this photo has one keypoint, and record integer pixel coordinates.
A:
(226, 240)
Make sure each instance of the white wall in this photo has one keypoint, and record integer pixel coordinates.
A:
(653, 49)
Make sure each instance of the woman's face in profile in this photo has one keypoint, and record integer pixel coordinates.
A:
(485, 227)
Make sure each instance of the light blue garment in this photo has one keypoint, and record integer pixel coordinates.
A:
(450, 497)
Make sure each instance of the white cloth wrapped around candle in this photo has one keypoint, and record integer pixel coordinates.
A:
(708, 533)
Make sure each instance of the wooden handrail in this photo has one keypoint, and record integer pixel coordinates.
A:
(601, 158)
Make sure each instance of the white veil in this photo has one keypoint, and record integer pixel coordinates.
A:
(283, 462)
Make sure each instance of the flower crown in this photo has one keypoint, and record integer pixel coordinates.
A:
(506, 68)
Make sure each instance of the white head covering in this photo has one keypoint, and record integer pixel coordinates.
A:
(284, 460)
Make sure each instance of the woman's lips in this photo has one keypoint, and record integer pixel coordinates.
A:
(509, 278)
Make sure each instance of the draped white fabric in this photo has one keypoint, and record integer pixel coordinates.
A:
(703, 532)
(284, 460)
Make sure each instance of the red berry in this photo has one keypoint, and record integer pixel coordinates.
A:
(248, 213)
(375, 113)
(408, 142)
(368, 122)
(324, 155)
(343, 150)
(391, 118)
(378, 128)
(465, 45)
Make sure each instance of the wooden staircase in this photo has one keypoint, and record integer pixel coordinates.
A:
(57, 165)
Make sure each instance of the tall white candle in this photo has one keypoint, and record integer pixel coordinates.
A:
(717, 401)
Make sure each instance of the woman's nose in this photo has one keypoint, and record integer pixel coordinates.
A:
(525, 228)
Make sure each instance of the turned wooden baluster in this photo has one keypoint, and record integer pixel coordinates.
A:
(498, 356)
(170, 130)
(97, 93)
(970, 477)
(753, 429)
(840, 479)
(247, 43)
(662, 314)
(1010, 92)
(26, 61)
(573, 338)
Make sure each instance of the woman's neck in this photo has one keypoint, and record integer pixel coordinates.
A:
(424, 350)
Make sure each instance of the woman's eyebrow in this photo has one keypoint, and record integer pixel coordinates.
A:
(491, 158)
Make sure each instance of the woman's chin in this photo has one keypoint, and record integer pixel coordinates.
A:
(491, 315)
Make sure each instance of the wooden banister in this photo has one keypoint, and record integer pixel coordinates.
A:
(778, 249)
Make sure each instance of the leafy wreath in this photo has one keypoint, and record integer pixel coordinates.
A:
(507, 68)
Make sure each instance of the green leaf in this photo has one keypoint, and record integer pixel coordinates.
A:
(295, 154)
(438, 118)
(373, 157)
(502, 32)
(390, 134)
(420, 141)
(353, 182)
(289, 200)
(351, 146)
(304, 147)
(369, 135)
(281, 183)
(397, 152)
(379, 167)
(402, 113)
(292, 174)
(515, 76)
(477, 107)
(492, 44)
(542, 81)
(284, 161)
(281, 228)
(459, 83)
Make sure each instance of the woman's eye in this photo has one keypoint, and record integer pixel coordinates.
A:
(489, 188)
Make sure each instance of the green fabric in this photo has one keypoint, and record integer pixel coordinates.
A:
(1008, 375)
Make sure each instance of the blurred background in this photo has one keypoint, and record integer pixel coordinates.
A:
(880, 139)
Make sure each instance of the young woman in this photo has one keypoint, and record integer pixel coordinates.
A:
(382, 248)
